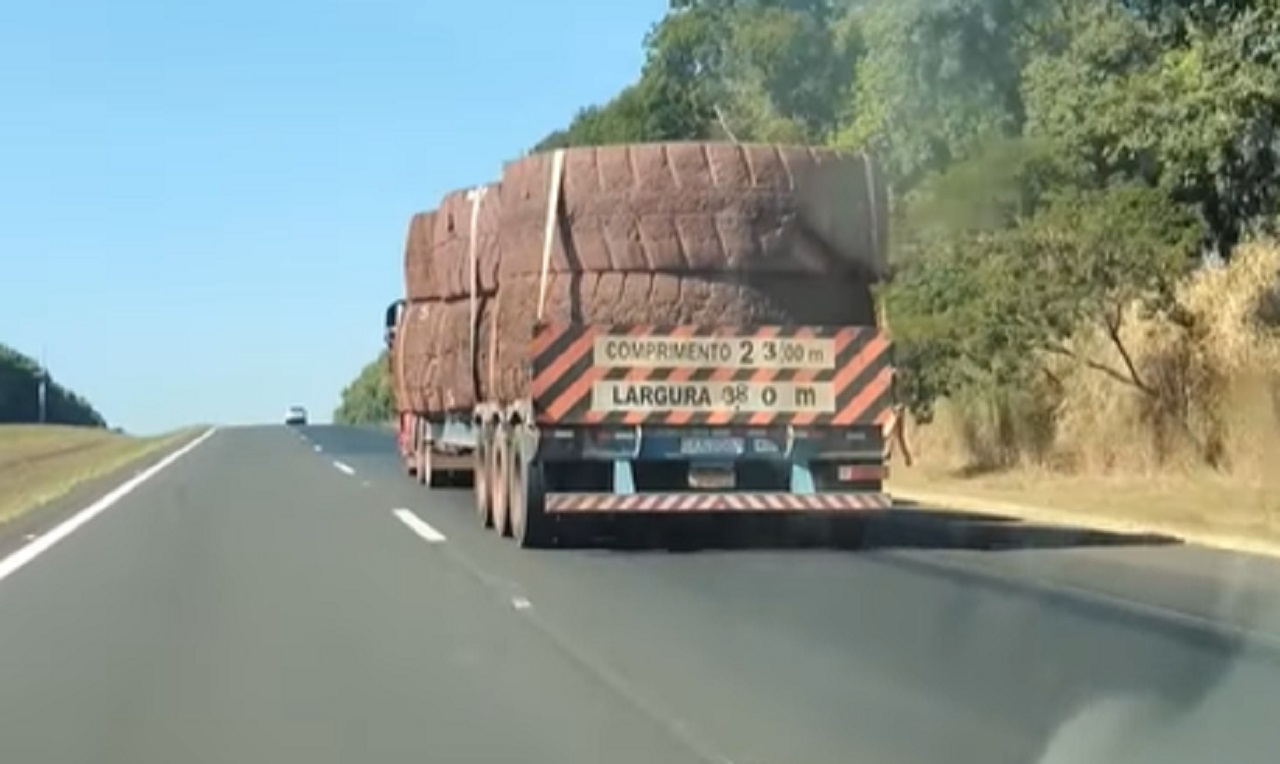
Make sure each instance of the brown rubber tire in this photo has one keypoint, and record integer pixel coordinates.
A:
(638, 298)
(686, 207)
(450, 267)
(417, 256)
(434, 370)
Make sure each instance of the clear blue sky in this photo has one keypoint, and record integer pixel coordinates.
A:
(203, 205)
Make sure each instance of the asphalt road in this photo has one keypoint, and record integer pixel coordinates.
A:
(259, 600)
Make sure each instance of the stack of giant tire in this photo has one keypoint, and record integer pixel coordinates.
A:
(696, 233)
(677, 233)
(432, 360)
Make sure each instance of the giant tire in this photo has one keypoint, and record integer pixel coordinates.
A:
(644, 298)
(434, 367)
(417, 256)
(450, 264)
(694, 207)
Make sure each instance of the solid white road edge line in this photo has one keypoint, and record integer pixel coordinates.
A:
(344, 468)
(418, 526)
(15, 561)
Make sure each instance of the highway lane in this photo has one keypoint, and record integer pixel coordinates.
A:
(252, 604)
(1236, 592)
(910, 654)
(258, 601)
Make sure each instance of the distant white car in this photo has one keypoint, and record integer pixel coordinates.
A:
(295, 415)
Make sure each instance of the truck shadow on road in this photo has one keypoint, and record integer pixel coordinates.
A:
(899, 528)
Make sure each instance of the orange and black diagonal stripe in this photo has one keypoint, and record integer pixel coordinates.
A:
(565, 373)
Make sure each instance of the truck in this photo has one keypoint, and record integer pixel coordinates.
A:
(722, 417)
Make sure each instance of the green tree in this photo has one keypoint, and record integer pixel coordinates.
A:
(1053, 161)
(369, 399)
(1006, 255)
(1196, 113)
(764, 70)
(938, 79)
(651, 110)
(20, 395)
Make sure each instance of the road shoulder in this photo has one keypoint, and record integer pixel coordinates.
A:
(35, 522)
(963, 502)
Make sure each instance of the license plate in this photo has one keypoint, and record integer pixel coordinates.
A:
(711, 478)
(713, 446)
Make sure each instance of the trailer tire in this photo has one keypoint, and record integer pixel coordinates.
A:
(500, 481)
(528, 493)
(482, 482)
(426, 475)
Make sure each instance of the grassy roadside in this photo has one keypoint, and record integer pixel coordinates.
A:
(41, 463)
(1154, 424)
(1208, 509)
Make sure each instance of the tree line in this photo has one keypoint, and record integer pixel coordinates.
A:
(20, 378)
(1053, 162)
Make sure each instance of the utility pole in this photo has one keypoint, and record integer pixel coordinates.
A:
(42, 388)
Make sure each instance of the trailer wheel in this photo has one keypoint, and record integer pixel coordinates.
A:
(500, 481)
(419, 469)
(426, 473)
(481, 471)
(528, 493)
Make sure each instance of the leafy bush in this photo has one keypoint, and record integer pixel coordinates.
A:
(369, 399)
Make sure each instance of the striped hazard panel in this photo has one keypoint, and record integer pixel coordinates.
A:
(688, 376)
(717, 502)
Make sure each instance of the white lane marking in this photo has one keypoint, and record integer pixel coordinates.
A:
(15, 561)
(418, 526)
(344, 468)
(521, 603)
(318, 449)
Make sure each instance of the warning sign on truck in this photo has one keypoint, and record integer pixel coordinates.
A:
(593, 374)
(742, 397)
(672, 352)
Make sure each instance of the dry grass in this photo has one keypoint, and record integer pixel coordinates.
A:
(1196, 444)
(41, 463)
(1207, 507)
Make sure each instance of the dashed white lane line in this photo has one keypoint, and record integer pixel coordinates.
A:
(521, 603)
(419, 526)
(18, 559)
(345, 468)
(318, 449)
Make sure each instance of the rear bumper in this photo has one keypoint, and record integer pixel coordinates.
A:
(676, 503)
